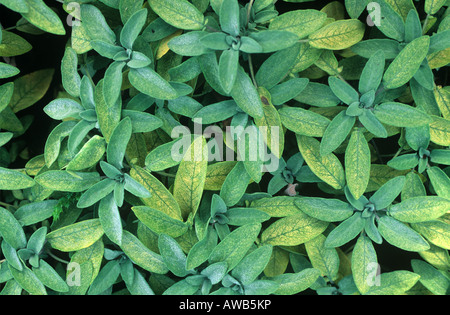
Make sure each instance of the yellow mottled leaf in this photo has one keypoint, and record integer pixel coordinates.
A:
(338, 35)
(163, 45)
(191, 176)
(161, 199)
(328, 168)
(442, 96)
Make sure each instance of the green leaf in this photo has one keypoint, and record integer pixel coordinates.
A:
(336, 133)
(53, 144)
(277, 67)
(300, 22)
(71, 80)
(14, 180)
(273, 40)
(293, 230)
(89, 155)
(228, 68)
(406, 64)
(430, 277)
(324, 209)
(132, 28)
(147, 81)
(161, 199)
(432, 6)
(355, 7)
(141, 255)
(173, 255)
(135, 188)
(160, 222)
(235, 245)
(28, 281)
(76, 236)
(440, 181)
(252, 265)
(201, 250)
(346, 231)
(95, 24)
(67, 181)
(372, 73)
(404, 162)
(30, 88)
(191, 176)
(364, 264)
(229, 17)
(179, 13)
(7, 70)
(235, 185)
(400, 115)
(63, 108)
(435, 231)
(246, 96)
(11, 230)
(19, 6)
(338, 35)
(106, 278)
(293, 283)
(113, 82)
(344, 91)
(288, 90)
(41, 16)
(49, 277)
(394, 283)
(278, 206)
(96, 193)
(118, 142)
(188, 44)
(109, 216)
(13, 45)
(398, 234)
(35, 212)
(420, 209)
(372, 124)
(357, 163)
(108, 115)
(303, 122)
(328, 168)
(387, 193)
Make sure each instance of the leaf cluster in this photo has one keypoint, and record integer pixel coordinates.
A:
(357, 119)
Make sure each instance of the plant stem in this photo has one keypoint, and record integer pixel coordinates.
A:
(252, 71)
(249, 11)
(425, 24)
(165, 174)
(57, 258)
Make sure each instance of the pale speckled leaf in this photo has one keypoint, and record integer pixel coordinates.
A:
(293, 230)
(14, 180)
(190, 177)
(364, 264)
(328, 168)
(420, 209)
(406, 64)
(76, 236)
(357, 163)
(179, 13)
(161, 198)
(338, 35)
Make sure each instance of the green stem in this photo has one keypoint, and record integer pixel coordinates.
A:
(425, 24)
(252, 71)
(165, 174)
(57, 258)
(249, 11)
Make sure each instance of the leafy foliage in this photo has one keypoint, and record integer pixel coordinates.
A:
(357, 119)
